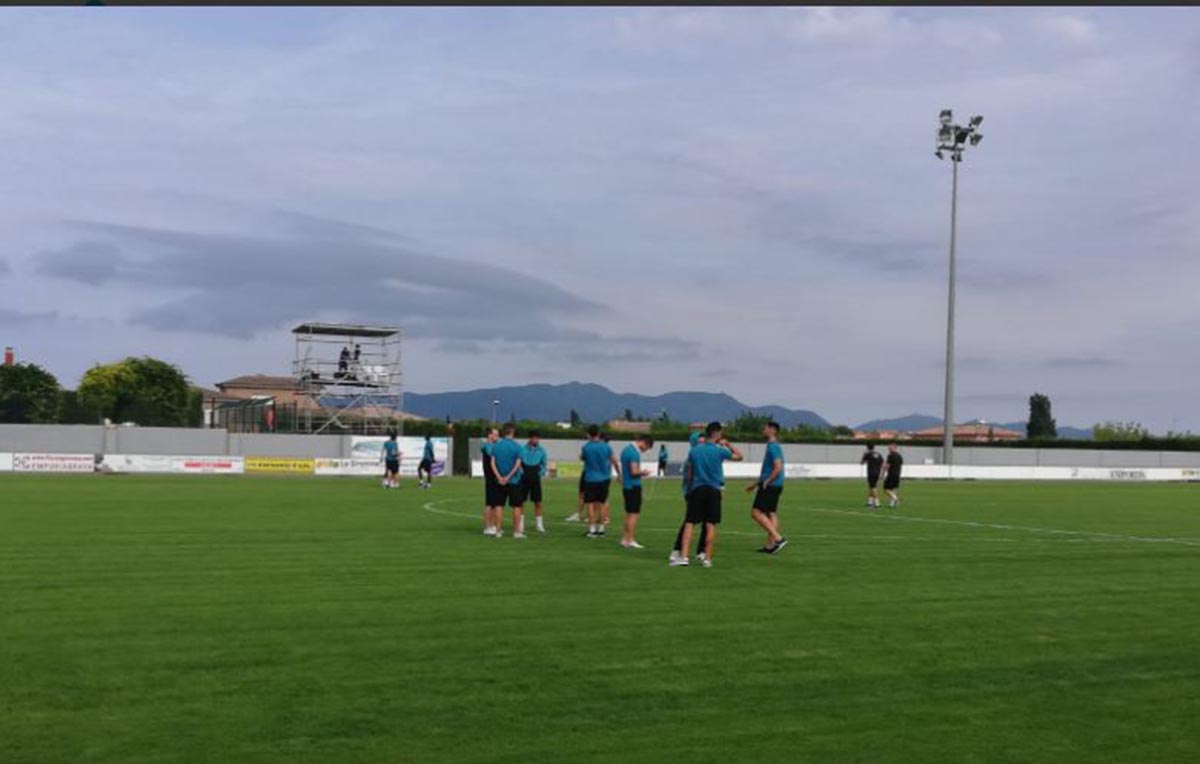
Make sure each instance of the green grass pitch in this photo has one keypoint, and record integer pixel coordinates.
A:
(176, 619)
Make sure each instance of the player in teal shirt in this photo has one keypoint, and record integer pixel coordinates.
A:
(534, 465)
(506, 466)
(491, 492)
(631, 485)
(706, 464)
(695, 438)
(767, 490)
(425, 468)
(391, 462)
(598, 464)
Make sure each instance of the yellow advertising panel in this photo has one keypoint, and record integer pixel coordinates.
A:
(568, 469)
(280, 465)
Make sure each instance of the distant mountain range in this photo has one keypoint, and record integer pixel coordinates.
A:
(914, 422)
(594, 403)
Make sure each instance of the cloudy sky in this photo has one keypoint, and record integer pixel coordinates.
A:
(730, 200)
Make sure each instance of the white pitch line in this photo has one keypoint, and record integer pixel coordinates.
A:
(1093, 535)
(431, 506)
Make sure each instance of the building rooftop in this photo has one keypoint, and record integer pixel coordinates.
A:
(258, 382)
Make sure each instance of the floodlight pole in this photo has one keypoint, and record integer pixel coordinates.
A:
(953, 138)
(948, 418)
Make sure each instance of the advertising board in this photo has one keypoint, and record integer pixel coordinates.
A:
(54, 462)
(349, 467)
(279, 465)
(133, 463)
(370, 447)
(208, 465)
(6, 462)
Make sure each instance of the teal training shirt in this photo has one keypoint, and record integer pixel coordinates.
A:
(507, 453)
(708, 465)
(597, 461)
(774, 451)
(534, 458)
(631, 467)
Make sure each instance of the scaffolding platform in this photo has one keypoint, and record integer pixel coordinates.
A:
(352, 374)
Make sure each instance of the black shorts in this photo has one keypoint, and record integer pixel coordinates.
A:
(704, 505)
(494, 494)
(872, 480)
(596, 493)
(633, 500)
(767, 499)
(891, 483)
(581, 482)
(426, 465)
(531, 489)
(512, 494)
(392, 465)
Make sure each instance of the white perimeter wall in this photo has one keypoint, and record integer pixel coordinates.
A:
(806, 460)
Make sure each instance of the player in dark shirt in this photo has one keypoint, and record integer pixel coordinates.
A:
(891, 475)
(874, 461)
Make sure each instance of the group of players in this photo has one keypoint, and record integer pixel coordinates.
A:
(513, 474)
(391, 463)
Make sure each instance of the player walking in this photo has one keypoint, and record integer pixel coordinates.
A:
(425, 468)
(490, 492)
(391, 462)
(631, 486)
(663, 456)
(706, 463)
(891, 475)
(874, 461)
(598, 463)
(768, 489)
(506, 465)
(533, 469)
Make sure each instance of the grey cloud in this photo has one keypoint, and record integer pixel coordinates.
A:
(240, 285)
(18, 318)
(86, 262)
(801, 220)
(1091, 362)
(461, 347)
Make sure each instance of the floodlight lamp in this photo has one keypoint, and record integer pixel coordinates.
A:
(939, 154)
(946, 116)
(976, 138)
(977, 120)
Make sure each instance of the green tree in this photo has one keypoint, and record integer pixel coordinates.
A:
(576, 420)
(628, 415)
(71, 411)
(147, 391)
(28, 394)
(749, 423)
(842, 431)
(1119, 431)
(1041, 424)
(195, 407)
